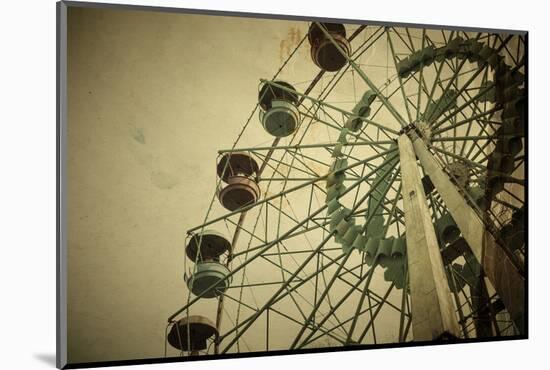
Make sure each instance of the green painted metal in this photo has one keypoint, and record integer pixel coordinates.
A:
(342, 223)
(376, 225)
(207, 244)
(361, 73)
(435, 109)
(446, 229)
(209, 280)
(282, 119)
(331, 106)
(361, 110)
(368, 238)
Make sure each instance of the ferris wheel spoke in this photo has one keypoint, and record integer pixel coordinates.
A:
(279, 265)
(332, 311)
(471, 102)
(278, 295)
(364, 293)
(244, 264)
(335, 125)
(453, 79)
(276, 298)
(377, 304)
(372, 212)
(395, 62)
(384, 129)
(438, 70)
(331, 282)
(321, 298)
(321, 104)
(362, 74)
(375, 296)
(367, 43)
(393, 202)
(286, 165)
(400, 36)
(320, 336)
(421, 83)
(312, 326)
(481, 153)
(240, 301)
(439, 111)
(453, 285)
(391, 161)
(252, 235)
(375, 314)
(466, 138)
(481, 92)
(465, 121)
(404, 302)
(290, 292)
(287, 237)
(394, 209)
(456, 156)
(515, 59)
(361, 180)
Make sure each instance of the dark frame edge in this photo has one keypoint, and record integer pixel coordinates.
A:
(61, 216)
(526, 176)
(288, 17)
(259, 354)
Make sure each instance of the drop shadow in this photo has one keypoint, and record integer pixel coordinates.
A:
(47, 358)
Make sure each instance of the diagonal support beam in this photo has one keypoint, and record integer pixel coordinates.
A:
(433, 316)
(362, 74)
(498, 267)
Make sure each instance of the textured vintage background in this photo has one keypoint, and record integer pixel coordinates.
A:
(152, 97)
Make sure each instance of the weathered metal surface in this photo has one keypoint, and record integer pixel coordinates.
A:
(323, 52)
(454, 250)
(196, 328)
(370, 239)
(433, 316)
(497, 265)
(446, 228)
(269, 92)
(212, 245)
(459, 173)
(315, 34)
(240, 191)
(376, 225)
(281, 119)
(209, 274)
(236, 163)
(279, 108)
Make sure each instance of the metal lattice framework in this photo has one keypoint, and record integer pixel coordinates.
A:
(319, 256)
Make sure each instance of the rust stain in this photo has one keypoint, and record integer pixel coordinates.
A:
(294, 35)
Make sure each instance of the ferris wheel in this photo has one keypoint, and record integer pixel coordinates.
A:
(383, 203)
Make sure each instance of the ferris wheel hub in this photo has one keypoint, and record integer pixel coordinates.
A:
(460, 173)
(425, 130)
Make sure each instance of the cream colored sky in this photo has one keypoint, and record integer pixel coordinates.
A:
(152, 97)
